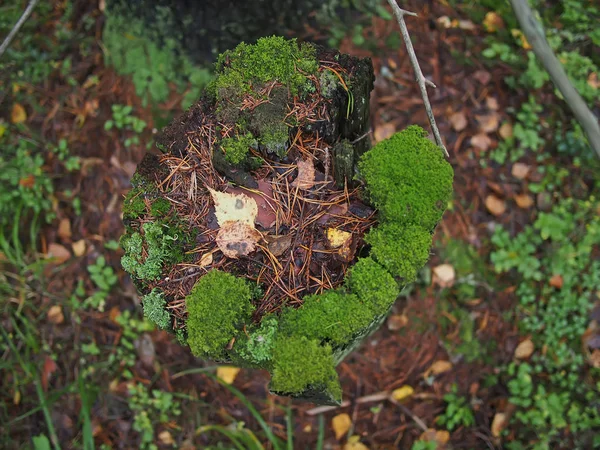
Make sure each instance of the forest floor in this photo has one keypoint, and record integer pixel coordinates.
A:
(81, 368)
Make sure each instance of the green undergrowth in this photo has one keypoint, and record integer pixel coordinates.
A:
(298, 345)
(556, 389)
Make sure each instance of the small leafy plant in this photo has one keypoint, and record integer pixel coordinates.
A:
(458, 411)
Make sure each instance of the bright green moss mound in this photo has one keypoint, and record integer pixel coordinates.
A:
(271, 58)
(333, 316)
(407, 179)
(401, 250)
(218, 307)
(302, 364)
(154, 305)
(373, 285)
(163, 246)
(160, 207)
(236, 148)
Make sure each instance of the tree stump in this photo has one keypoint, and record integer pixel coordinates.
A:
(268, 234)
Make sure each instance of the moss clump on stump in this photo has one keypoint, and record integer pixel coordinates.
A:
(279, 125)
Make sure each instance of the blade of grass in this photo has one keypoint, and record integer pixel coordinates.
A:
(231, 435)
(290, 428)
(86, 406)
(321, 435)
(47, 416)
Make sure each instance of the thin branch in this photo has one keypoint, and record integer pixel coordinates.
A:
(537, 39)
(17, 26)
(421, 80)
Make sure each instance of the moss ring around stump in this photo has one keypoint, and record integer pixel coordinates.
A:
(268, 234)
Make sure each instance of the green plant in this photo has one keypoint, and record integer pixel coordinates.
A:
(154, 304)
(149, 411)
(105, 279)
(424, 445)
(458, 411)
(123, 356)
(123, 120)
(236, 148)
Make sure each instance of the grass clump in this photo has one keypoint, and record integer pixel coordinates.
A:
(407, 178)
(333, 316)
(373, 285)
(236, 148)
(271, 58)
(154, 305)
(401, 250)
(301, 364)
(162, 245)
(218, 307)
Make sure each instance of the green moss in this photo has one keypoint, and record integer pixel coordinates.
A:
(275, 138)
(163, 246)
(256, 347)
(408, 179)
(302, 364)
(329, 83)
(401, 250)
(373, 285)
(236, 148)
(160, 207)
(218, 307)
(154, 304)
(271, 58)
(333, 316)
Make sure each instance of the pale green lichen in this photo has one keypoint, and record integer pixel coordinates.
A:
(154, 304)
(256, 348)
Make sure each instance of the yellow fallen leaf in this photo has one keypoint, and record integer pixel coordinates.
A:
(440, 437)
(206, 260)
(493, 22)
(234, 207)
(18, 114)
(227, 373)
(341, 424)
(518, 34)
(355, 444)
(79, 247)
(438, 368)
(337, 238)
(402, 393)
(524, 350)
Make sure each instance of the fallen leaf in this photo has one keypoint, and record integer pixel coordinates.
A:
(458, 120)
(206, 260)
(166, 438)
(492, 103)
(488, 123)
(483, 76)
(440, 437)
(47, 370)
(79, 247)
(355, 444)
(337, 238)
(396, 322)
(556, 281)
(495, 205)
(438, 368)
(58, 253)
(234, 208)
(520, 170)
(498, 424)
(481, 141)
(466, 25)
(506, 130)
(307, 428)
(278, 244)
(27, 181)
(237, 239)
(64, 229)
(493, 22)
(382, 132)
(593, 80)
(524, 349)
(227, 373)
(306, 174)
(402, 393)
(55, 315)
(444, 275)
(18, 114)
(341, 424)
(524, 201)
(444, 21)
(518, 34)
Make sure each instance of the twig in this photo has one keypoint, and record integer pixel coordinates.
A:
(537, 39)
(421, 80)
(17, 26)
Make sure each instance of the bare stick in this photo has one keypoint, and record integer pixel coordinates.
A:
(535, 35)
(421, 80)
(17, 26)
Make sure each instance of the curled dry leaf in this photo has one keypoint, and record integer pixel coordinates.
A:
(341, 424)
(458, 121)
(402, 393)
(524, 350)
(495, 205)
(306, 174)
(438, 368)
(227, 373)
(237, 239)
(444, 275)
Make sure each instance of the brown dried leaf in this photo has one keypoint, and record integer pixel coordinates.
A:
(166, 438)
(397, 321)
(483, 76)
(481, 141)
(55, 315)
(593, 80)
(278, 244)
(495, 205)
(79, 247)
(524, 201)
(438, 367)
(520, 170)
(341, 424)
(458, 120)
(58, 252)
(64, 229)
(498, 424)
(382, 132)
(488, 123)
(492, 103)
(306, 174)
(524, 350)
(506, 130)
(237, 239)
(556, 281)
(18, 114)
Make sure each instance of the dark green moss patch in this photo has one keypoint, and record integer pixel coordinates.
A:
(160, 207)
(401, 250)
(218, 307)
(302, 364)
(408, 179)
